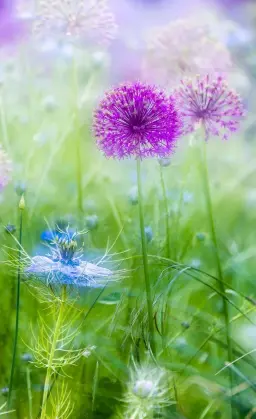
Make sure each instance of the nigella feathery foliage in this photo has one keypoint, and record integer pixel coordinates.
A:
(209, 100)
(136, 120)
(65, 266)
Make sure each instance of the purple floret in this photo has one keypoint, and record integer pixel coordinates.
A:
(208, 100)
(11, 28)
(136, 120)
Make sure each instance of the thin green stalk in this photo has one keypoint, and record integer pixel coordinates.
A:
(49, 372)
(145, 260)
(30, 398)
(206, 187)
(166, 213)
(79, 176)
(21, 208)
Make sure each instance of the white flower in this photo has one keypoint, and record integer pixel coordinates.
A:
(86, 20)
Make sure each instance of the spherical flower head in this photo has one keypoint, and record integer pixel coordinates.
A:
(11, 28)
(136, 120)
(182, 48)
(5, 169)
(209, 101)
(85, 20)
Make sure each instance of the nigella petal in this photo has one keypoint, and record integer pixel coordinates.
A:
(40, 265)
(94, 271)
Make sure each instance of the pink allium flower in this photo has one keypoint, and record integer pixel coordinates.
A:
(89, 20)
(5, 169)
(10, 26)
(136, 120)
(183, 48)
(209, 101)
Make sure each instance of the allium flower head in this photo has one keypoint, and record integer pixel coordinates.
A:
(136, 120)
(183, 48)
(209, 101)
(89, 20)
(64, 265)
(10, 26)
(5, 169)
(147, 390)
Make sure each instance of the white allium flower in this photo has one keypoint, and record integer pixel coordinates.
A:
(85, 20)
(183, 48)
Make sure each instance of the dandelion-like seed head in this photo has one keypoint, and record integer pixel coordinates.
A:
(136, 120)
(147, 390)
(182, 48)
(5, 169)
(209, 101)
(89, 20)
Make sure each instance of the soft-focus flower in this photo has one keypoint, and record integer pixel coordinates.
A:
(65, 265)
(209, 101)
(11, 27)
(92, 221)
(89, 20)
(183, 48)
(136, 120)
(149, 233)
(147, 390)
(5, 169)
(133, 195)
(164, 162)
(27, 357)
(10, 228)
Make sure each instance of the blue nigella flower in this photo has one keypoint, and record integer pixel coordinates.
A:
(65, 266)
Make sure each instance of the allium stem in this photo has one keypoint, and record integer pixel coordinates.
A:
(30, 398)
(17, 310)
(49, 372)
(206, 186)
(145, 259)
(79, 178)
(79, 173)
(166, 213)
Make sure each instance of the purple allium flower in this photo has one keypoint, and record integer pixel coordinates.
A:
(10, 26)
(5, 169)
(211, 102)
(136, 119)
(76, 19)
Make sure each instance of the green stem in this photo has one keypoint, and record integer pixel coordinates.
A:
(79, 177)
(17, 312)
(50, 370)
(30, 406)
(206, 186)
(145, 260)
(167, 228)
